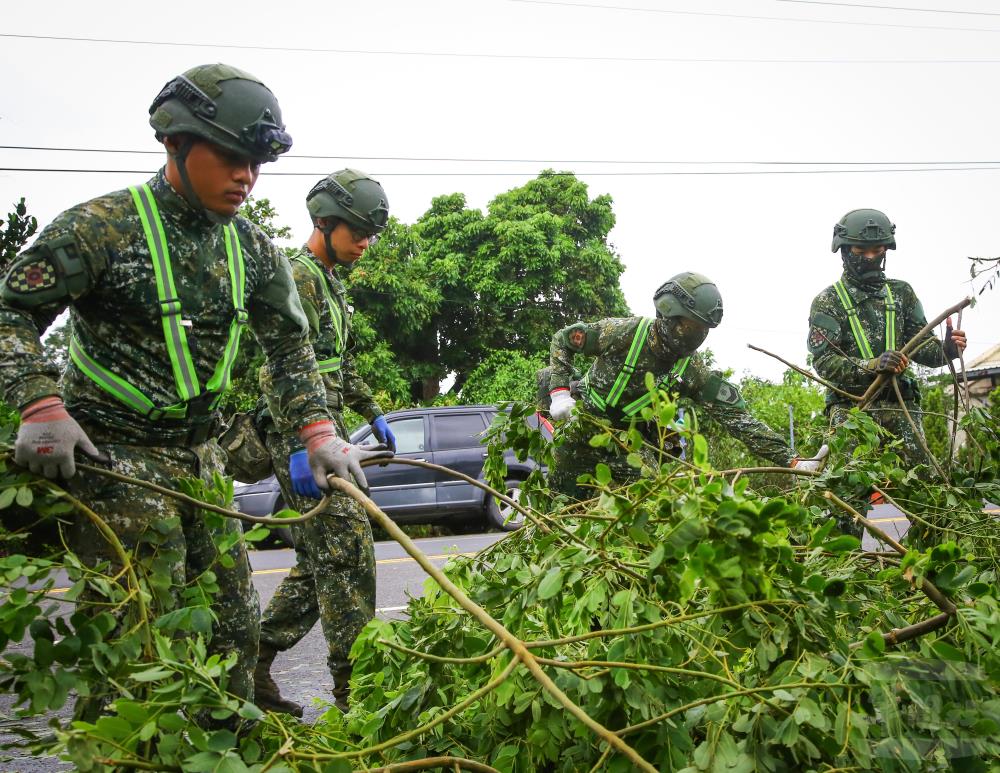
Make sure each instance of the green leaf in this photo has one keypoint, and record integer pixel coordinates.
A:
(7, 497)
(551, 583)
(25, 496)
(842, 544)
(602, 474)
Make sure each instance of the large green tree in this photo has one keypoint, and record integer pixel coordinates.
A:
(460, 283)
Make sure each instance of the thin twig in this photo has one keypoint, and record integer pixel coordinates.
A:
(918, 432)
(881, 378)
(204, 505)
(807, 374)
(458, 763)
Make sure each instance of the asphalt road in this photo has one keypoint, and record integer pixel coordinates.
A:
(301, 672)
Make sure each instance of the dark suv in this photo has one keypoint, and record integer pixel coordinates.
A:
(450, 436)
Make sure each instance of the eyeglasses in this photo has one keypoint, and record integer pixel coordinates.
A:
(361, 235)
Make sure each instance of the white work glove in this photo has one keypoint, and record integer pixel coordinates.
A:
(562, 404)
(47, 437)
(332, 455)
(815, 464)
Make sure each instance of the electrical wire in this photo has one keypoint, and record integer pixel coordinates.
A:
(747, 17)
(526, 160)
(509, 57)
(690, 173)
(890, 7)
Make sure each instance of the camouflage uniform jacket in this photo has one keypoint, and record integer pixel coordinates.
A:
(324, 300)
(115, 314)
(835, 353)
(609, 341)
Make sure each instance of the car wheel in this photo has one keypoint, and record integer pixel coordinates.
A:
(502, 515)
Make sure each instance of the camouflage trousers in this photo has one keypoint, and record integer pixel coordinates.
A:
(167, 536)
(889, 416)
(575, 456)
(333, 580)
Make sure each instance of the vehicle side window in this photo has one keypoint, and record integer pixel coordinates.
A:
(461, 430)
(409, 435)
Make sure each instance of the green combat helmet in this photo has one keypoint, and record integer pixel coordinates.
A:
(225, 106)
(351, 196)
(864, 228)
(689, 295)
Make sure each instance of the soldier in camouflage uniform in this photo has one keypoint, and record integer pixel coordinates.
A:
(687, 306)
(160, 281)
(334, 577)
(858, 324)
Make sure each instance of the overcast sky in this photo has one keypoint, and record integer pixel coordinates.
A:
(706, 88)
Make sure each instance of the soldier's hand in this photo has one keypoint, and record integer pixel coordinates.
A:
(47, 438)
(954, 343)
(892, 362)
(332, 455)
(301, 474)
(385, 436)
(814, 464)
(562, 404)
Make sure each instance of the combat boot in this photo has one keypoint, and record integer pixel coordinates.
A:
(342, 689)
(266, 693)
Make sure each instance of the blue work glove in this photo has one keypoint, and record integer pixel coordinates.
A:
(303, 482)
(381, 429)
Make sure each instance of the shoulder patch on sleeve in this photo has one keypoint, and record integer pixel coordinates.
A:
(718, 390)
(578, 336)
(32, 276)
(823, 328)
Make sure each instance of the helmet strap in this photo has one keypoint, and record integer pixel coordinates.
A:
(180, 159)
(331, 253)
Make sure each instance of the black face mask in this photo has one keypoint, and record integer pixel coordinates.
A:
(679, 336)
(864, 271)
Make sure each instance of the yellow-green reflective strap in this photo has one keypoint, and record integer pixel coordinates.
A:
(219, 382)
(166, 293)
(338, 318)
(665, 383)
(864, 347)
(185, 378)
(890, 319)
(120, 388)
(331, 365)
(628, 368)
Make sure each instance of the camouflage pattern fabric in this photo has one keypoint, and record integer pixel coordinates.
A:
(330, 333)
(334, 577)
(183, 551)
(609, 341)
(333, 580)
(835, 353)
(94, 259)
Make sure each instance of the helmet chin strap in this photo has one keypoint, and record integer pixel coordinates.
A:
(331, 253)
(180, 158)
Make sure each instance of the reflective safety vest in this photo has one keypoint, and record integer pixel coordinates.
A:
(864, 347)
(331, 365)
(185, 378)
(625, 374)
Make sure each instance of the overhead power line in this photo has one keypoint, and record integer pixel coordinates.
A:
(748, 17)
(532, 173)
(891, 7)
(470, 160)
(516, 57)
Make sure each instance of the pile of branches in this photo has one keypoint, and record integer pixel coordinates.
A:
(682, 622)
